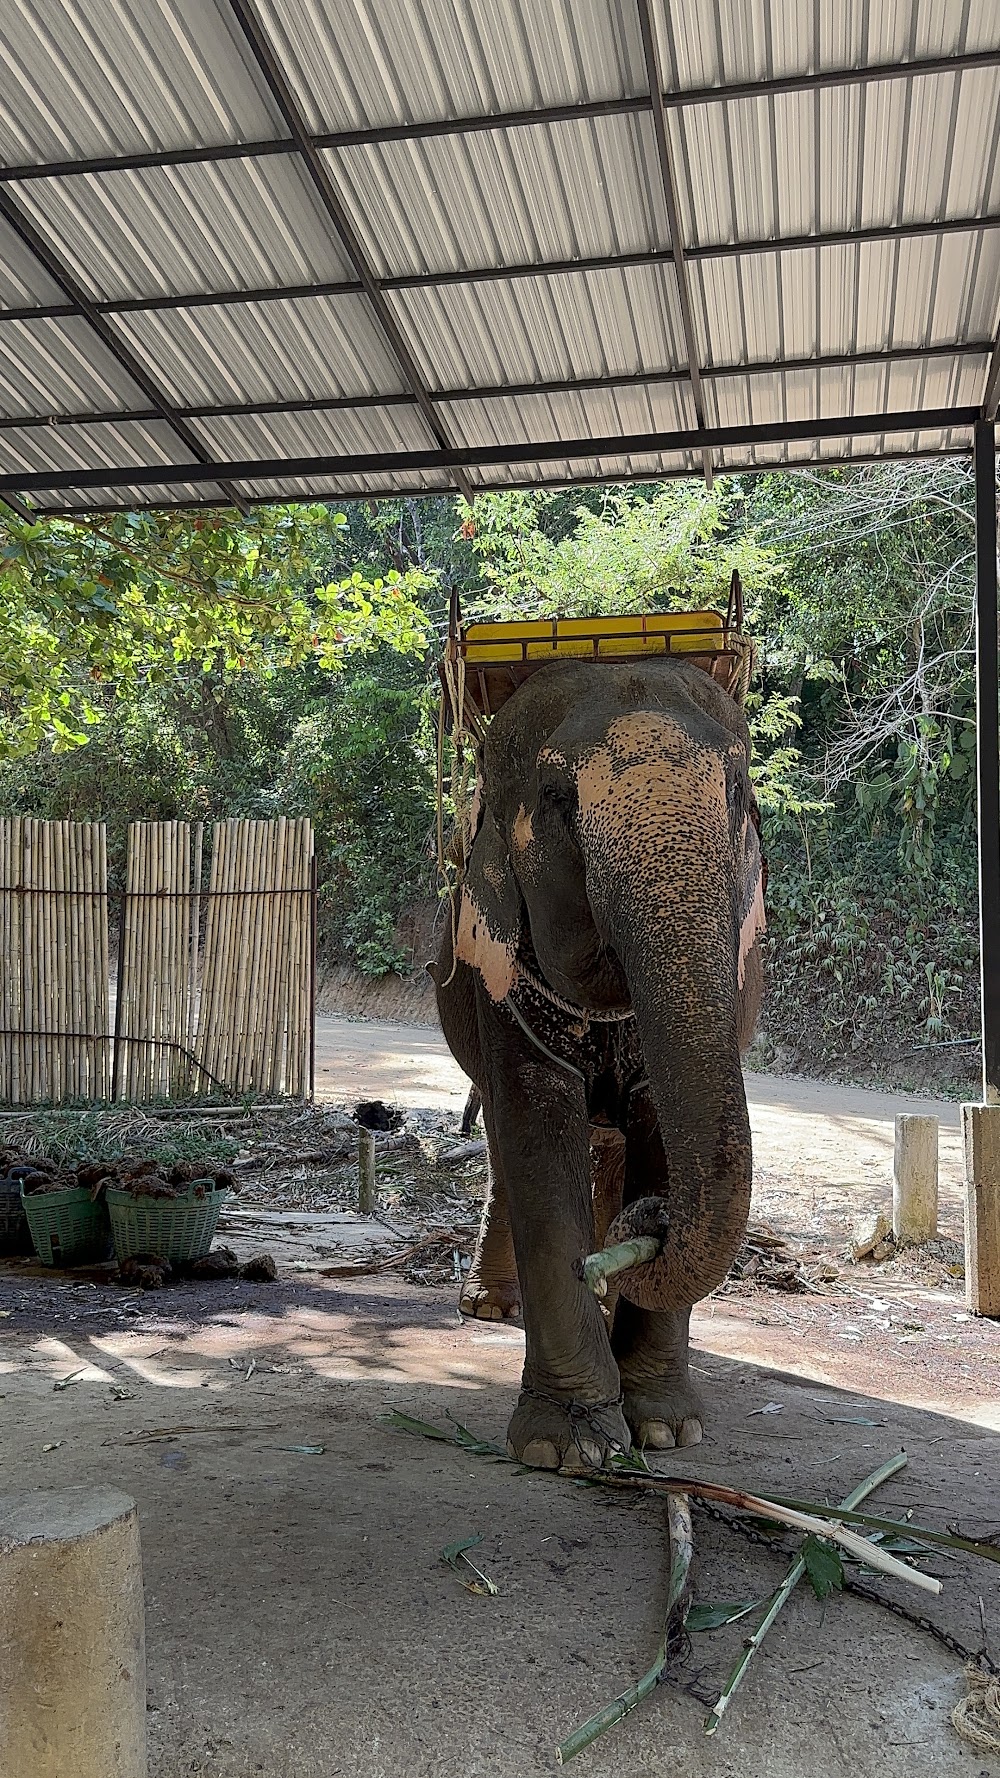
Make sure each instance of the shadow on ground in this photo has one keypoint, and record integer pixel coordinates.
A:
(301, 1622)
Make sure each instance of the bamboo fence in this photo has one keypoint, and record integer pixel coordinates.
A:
(235, 1015)
(256, 1012)
(54, 961)
(158, 963)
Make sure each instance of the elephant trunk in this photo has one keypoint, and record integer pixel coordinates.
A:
(661, 881)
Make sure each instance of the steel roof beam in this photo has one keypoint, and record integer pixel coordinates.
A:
(322, 180)
(321, 404)
(727, 93)
(862, 460)
(668, 181)
(551, 268)
(61, 275)
(474, 456)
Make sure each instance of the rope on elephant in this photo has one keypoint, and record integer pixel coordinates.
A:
(466, 738)
(977, 1715)
(582, 1013)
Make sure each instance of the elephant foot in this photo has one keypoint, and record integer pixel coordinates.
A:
(498, 1299)
(662, 1417)
(490, 1290)
(549, 1432)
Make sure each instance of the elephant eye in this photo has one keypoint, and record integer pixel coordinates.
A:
(553, 795)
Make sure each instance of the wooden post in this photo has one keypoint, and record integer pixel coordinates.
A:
(915, 1180)
(366, 1172)
(981, 1140)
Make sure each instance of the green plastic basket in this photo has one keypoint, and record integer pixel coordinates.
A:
(181, 1228)
(68, 1228)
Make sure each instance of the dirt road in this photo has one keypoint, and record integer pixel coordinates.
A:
(833, 1143)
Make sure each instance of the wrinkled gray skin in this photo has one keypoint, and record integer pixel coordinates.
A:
(616, 857)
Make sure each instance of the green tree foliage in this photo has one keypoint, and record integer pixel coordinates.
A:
(127, 600)
(219, 667)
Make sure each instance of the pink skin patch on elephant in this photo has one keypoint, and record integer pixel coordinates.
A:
(754, 923)
(478, 946)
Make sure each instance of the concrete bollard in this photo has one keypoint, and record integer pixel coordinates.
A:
(915, 1180)
(981, 1141)
(72, 1636)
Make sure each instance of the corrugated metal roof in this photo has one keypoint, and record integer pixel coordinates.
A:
(455, 213)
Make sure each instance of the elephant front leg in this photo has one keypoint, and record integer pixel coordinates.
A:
(569, 1412)
(662, 1407)
(490, 1290)
(661, 1404)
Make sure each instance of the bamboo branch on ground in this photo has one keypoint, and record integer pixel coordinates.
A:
(784, 1592)
(678, 1600)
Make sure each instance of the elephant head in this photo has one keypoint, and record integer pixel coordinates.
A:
(618, 833)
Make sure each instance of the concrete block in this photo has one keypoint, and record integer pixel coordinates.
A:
(915, 1180)
(72, 1636)
(981, 1140)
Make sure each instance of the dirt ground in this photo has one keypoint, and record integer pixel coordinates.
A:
(300, 1619)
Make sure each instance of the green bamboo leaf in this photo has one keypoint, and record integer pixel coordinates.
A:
(823, 1566)
(475, 1581)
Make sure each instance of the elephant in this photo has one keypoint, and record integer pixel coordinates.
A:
(603, 968)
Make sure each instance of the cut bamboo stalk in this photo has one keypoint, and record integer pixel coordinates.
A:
(681, 1541)
(597, 1268)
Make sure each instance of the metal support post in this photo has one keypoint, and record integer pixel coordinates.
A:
(988, 752)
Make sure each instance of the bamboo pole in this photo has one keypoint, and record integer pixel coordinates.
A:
(104, 962)
(45, 907)
(244, 927)
(27, 962)
(126, 967)
(228, 1011)
(78, 925)
(206, 999)
(195, 949)
(255, 932)
(8, 963)
(270, 1065)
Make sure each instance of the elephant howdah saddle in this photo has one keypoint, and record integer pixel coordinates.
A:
(485, 663)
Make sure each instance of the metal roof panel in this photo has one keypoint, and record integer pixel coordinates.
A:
(121, 445)
(340, 431)
(311, 347)
(372, 62)
(61, 366)
(160, 230)
(580, 324)
(551, 191)
(89, 77)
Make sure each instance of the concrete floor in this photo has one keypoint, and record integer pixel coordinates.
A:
(301, 1622)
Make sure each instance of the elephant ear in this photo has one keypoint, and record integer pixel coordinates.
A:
(490, 912)
(751, 880)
